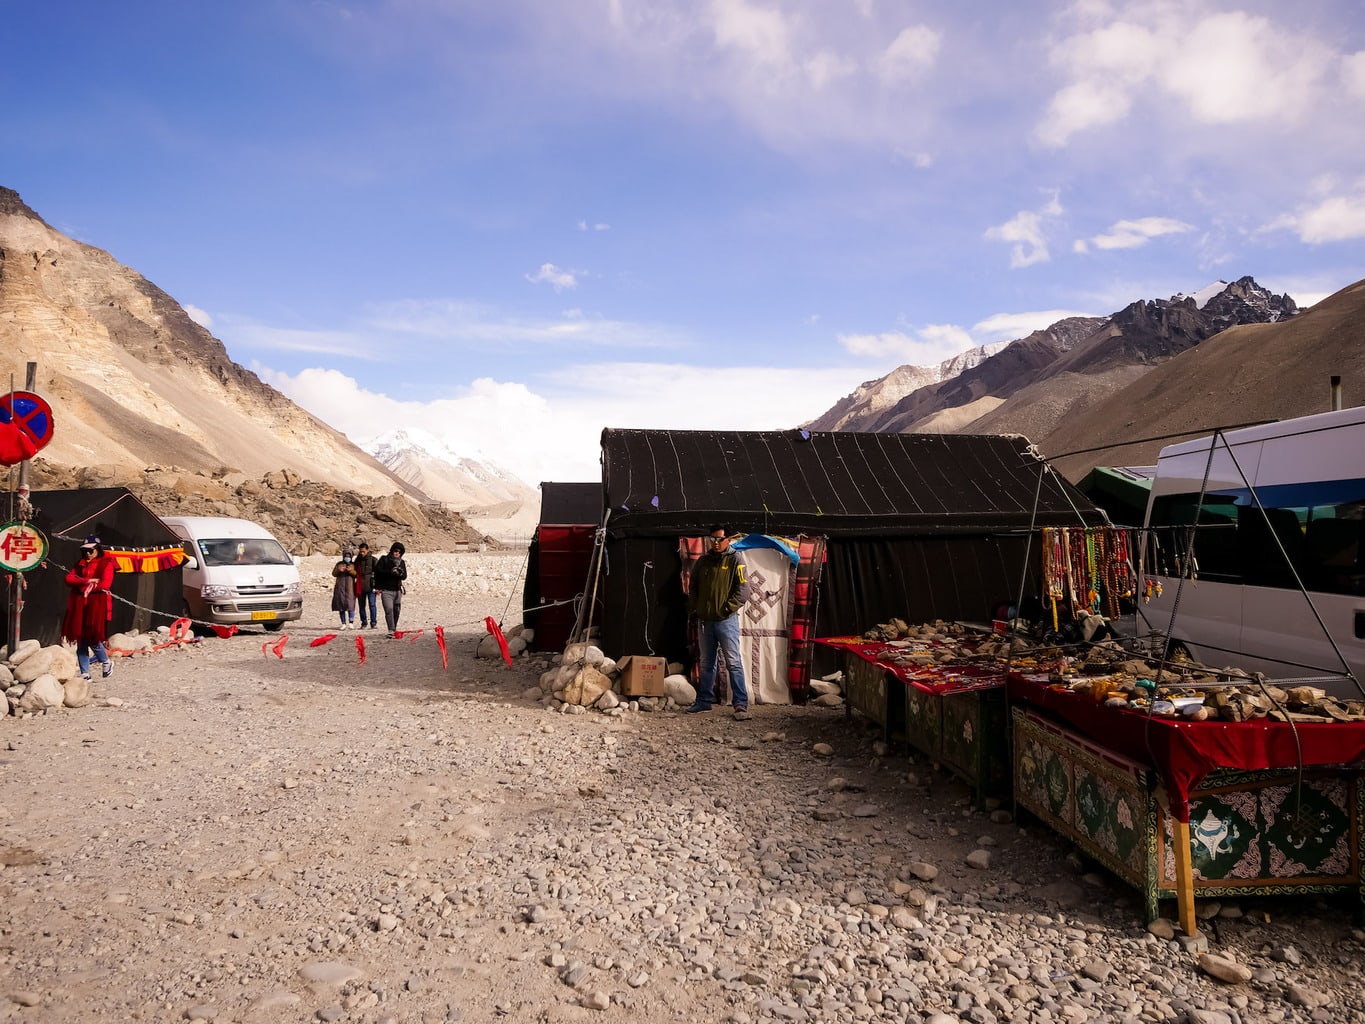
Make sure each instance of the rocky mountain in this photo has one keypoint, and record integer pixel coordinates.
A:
(875, 396)
(144, 397)
(1248, 373)
(1034, 384)
(461, 481)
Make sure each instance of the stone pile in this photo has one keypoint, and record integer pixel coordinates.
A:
(36, 679)
(307, 517)
(583, 677)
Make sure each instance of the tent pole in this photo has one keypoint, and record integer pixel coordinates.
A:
(596, 575)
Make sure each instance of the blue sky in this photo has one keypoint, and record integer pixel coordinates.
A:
(513, 223)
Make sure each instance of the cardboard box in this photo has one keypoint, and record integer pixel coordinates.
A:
(642, 676)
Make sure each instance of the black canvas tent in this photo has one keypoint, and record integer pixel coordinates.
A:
(142, 601)
(916, 526)
(559, 558)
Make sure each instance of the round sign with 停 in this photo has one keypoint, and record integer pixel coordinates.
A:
(22, 547)
(30, 413)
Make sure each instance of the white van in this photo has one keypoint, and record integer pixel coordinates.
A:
(1275, 496)
(237, 573)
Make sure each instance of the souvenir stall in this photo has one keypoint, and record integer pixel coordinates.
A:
(1180, 798)
(941, 687)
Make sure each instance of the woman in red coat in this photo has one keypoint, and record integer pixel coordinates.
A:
(88, 606)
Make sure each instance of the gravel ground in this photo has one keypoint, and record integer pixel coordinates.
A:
(242, 837)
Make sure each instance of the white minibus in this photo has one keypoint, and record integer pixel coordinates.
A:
(1270, 573)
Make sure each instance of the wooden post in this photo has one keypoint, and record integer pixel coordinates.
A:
(1184, 876)
(16, 579)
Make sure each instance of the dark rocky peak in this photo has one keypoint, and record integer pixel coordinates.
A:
(1246, 302)
(12, 205)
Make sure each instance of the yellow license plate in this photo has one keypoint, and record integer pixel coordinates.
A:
(262, 616)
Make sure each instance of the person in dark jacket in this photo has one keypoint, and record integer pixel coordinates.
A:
(364, 586)
(715, 594)
(389, 573)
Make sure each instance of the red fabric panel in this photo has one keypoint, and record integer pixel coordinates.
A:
(1183, 753)
(935, 679)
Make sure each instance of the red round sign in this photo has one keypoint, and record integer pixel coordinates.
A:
(30, 413)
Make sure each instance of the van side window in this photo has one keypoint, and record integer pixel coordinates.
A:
(1318, 526)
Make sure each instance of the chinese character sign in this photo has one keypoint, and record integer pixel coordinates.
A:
(21, 547)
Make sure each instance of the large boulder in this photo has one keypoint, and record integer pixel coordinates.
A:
(76, 692)
(394, 508)
(43, 693)
(586, 686)
(682, 691)
(55, 661)
(23, 649)
(584, 654)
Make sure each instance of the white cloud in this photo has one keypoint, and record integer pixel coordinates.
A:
(928, 346)
(199, 316)
(1133, 234)
(1214, 68)
(554, 276)
(1336, 219)
(1353, 74)
(583, 225)
(1026, 233)
(913, 51)
(1013, 326)
(555, 434)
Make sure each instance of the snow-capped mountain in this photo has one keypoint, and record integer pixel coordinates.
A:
(465, 482)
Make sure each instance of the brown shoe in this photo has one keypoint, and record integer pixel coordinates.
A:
(742, 715)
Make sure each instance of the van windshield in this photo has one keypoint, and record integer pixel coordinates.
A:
(244, 551)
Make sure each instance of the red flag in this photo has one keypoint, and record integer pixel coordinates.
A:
(407, 634)
(279, 646)
(15, 444)
(360, 648)
(492, 627)
(225, 631)
(441, 643)
(326, 638)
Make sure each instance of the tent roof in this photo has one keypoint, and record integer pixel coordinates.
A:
(570, 504)
(832, 483)
(1122, 491)
(115, 513)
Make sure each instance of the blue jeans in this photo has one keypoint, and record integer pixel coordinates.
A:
(83, 652)
(371, 598)
(715, 638)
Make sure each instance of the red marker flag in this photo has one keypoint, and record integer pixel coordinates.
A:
(326, 638)
(279, 647)
(492, 627)
(360, 648)
(441, 643)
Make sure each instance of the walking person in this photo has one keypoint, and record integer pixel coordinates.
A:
(715, 594)
(88, 607)
(364, 586)
(389, 573)
(343, 590)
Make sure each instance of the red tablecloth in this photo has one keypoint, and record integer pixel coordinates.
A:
(1182, 753)
(936, 679)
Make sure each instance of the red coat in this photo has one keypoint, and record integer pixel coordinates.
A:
(87, 615)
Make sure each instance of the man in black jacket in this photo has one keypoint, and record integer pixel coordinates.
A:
(364, 586)
(389, 573)
(716, 592)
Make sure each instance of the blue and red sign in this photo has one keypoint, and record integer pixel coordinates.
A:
(28, 412)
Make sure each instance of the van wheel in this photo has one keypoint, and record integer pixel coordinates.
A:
(273, 627)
